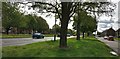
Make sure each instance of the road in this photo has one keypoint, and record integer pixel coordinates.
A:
(112, 44)
(24, 41)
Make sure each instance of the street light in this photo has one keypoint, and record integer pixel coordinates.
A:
(55, 26)
(55, 29)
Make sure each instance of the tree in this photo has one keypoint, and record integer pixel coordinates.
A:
(57, 28)
(41, 24)
(10, 16)
(13, 19)
(36, 23)
(92, 8)
(32, 24)
(64, 10)
(87, 23)
(67, 9)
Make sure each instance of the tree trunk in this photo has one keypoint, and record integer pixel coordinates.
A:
(7, 31)
(63, 35)
(64, 24)
(16, 30)
(78, 27)
(83, 35)
(78, 31)
(88, 34)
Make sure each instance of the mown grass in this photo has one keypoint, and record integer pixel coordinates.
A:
(117, 38)
(49, 35)
(16, 36)
(88, 47)
(21, 35)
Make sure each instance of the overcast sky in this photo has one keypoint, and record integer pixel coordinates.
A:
(103, 24)
(107, 22)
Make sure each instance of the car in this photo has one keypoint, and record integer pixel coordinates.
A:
(111, 38)
(37, 36)
(106, 37)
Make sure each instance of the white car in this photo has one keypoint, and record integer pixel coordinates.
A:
(106, 37)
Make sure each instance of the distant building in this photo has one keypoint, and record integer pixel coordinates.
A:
(109, 32)
(118, 33)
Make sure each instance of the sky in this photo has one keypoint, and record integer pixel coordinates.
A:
(103, 24)
(106, 22)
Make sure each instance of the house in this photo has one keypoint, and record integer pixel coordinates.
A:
(118, 33)
(109, 32)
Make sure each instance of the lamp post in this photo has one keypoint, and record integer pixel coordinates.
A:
(55, 29)
(55, 25)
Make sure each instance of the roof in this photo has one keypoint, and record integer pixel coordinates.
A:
(109, 29)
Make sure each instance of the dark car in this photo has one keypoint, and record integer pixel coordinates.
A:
(37, 36)
(111, 38)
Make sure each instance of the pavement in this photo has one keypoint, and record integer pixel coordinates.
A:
(24, 41)
(114, 45)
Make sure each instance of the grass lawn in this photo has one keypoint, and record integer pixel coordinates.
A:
(89, 47)
(16, 35)
(21, 35)
(117, 38)
(49, 35)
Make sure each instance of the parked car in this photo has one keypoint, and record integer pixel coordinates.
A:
(106, 37)
(111, 38)
(37, 36)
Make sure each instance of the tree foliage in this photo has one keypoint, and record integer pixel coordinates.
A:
(87, 23)
(56, 28)
(12, 18)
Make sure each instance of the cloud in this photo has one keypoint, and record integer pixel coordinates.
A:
(108, 22)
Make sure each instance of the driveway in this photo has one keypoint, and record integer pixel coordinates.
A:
(24, 41)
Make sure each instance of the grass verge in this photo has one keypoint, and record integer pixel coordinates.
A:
(49, 35)
(16, 36)
(88, 47)
(117, 38)
(21, 35)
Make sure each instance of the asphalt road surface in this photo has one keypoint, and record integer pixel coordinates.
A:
(24, 41)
